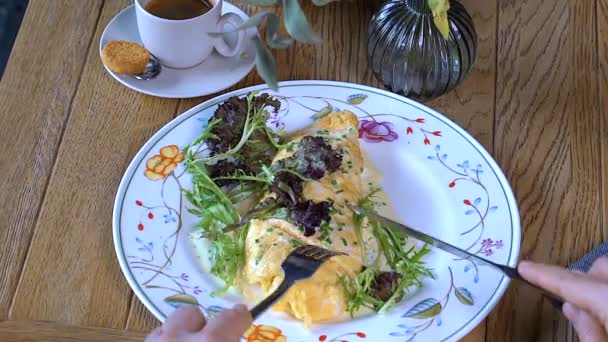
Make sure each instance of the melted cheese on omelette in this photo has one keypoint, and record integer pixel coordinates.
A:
(320, 298)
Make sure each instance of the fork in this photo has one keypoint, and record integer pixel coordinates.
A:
(300, 264)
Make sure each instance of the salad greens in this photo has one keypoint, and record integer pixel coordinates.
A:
(236, 166)
(215, 211)
(376, 288)
(211, 204)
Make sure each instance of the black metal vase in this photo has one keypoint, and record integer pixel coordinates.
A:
(410, 56)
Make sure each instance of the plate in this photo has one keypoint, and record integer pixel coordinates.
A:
(437, 176)
(216, 73)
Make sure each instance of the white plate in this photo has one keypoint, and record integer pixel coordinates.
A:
(437, 176)
(216, 73)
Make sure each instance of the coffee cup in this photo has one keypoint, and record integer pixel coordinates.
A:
(185, 43)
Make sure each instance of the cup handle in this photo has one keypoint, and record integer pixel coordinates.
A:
(220, 45)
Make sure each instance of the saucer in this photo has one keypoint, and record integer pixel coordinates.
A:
(214, 74)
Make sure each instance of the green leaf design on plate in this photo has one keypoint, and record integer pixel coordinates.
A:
(267, 68)
(464, 296)
(427, 308)
(181, 299)
(323, 112)
(296, 23)
(356, 99)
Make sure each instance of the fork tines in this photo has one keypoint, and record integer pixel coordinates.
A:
(314, 252)
(300, 264)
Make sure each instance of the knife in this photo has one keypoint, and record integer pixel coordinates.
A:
(511, 272)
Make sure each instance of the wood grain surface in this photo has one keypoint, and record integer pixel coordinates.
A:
(70, 130)
(36, 94)
(107, 125)
(547, 141)
(34, 331)
(602, 22)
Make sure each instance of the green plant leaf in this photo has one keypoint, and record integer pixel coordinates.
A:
(274, 39)
(440, 16)
(266, 67)
(427, 308)
(296, 23)
(181, 299)
(323, 2)
(253, 21)
(261, 2)
(464, 296)
(323, 112)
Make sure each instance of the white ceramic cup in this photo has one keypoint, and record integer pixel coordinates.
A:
(186, 43)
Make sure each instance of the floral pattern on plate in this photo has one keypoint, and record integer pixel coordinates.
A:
(439, 177)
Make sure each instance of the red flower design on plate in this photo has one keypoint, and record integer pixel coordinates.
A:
(375, 131)
(340, 338)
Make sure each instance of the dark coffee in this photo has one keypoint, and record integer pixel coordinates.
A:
(178, 9)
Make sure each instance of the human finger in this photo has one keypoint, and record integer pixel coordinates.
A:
(229, 326)
(580, 289)
(154, 335)
(599, 269)
(187, 318)
(586, 326)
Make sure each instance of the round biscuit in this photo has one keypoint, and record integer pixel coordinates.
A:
(124, 57)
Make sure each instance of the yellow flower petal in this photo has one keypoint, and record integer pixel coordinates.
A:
(160, 167)
(169, 168)
(153, 162)
(264, 333)
(270, 329)
(153, 175)
(249, 331)
(267, 334)
(169, 151)
(179, 157)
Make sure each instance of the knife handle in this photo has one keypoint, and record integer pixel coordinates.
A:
(513, 273)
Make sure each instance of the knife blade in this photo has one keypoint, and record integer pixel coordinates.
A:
(435, 242)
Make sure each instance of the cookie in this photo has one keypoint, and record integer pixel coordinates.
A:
(124, 57)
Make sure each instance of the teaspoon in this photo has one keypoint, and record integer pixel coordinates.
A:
(153, 68)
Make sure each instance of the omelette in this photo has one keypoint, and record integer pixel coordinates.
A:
(269, 241)
(278, 192)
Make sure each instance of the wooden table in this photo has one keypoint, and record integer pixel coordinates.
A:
(68, 131)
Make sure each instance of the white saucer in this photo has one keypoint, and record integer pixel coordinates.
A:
(214, 74)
